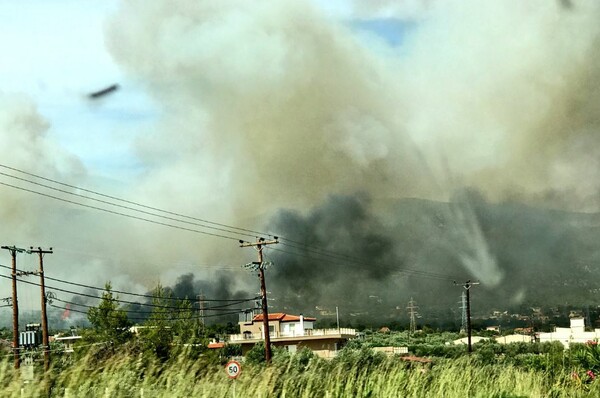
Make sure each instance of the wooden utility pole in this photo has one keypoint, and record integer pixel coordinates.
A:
(467, 286)
(260, 267)
(45, 342)
(15, 304)
(201, 306)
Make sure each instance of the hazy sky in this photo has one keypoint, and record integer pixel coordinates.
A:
(55, 53)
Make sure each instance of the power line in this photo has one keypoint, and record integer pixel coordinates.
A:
(216, 226)
(59, 350)
(125, 207)
(114, 299)
(145, 263)
(252, 232)
(128, 293)
(174, 311)
(144, 295)
(233, 312)
(412, 272)
(119, 213)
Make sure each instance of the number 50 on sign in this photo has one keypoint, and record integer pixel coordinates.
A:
(233, 369)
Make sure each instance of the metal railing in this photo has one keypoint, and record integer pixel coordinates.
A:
(294, 334)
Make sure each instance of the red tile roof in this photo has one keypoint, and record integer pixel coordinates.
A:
(282, 317)
(216, 345)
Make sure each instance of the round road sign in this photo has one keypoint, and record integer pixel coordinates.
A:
(233, 369)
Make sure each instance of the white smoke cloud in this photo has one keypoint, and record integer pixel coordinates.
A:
(507, 90)
(269, 104)
(273, 105)
(23, 135)
(401, 9)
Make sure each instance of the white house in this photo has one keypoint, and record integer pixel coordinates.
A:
(474, 339)
(292, 332)
(514, 338)
(574, 334)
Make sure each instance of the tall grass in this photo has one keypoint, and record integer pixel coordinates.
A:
(347, 376)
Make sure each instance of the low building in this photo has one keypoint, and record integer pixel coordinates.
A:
(515, 338)
(213, 345)
(292, 332)
(574, 334)
(390, 350)
(68, 341)
(474, 339)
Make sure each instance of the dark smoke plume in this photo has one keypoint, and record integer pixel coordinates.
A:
(340, 255)
(542, 256)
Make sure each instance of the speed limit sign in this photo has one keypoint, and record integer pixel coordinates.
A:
(233, 369)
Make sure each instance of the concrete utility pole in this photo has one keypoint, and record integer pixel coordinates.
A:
(467, 286)
(15, 304)
(40, 272)
(260, 267)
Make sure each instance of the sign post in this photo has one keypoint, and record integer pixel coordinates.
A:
(233, 370)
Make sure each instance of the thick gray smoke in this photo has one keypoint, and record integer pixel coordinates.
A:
(306, 270)
(546, 257)
(274, 105)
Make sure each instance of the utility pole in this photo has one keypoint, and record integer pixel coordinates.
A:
(260, 267)
(45, 342)
(463, 312)
(201, 301)
(13, 252)
(467, 286)
(412, 308)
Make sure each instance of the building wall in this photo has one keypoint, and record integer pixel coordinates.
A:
(574, 334)
(256, 327)
(291, 328)
(277, 327)
(325, 344)
(514, 338)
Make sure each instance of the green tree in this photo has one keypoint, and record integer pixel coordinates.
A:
(109, 323)
(256, 355)
(157, 336)
(185, 323)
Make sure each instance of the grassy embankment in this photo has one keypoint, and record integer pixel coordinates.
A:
(354, 374)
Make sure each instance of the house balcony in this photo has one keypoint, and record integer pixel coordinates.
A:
(308, 334)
